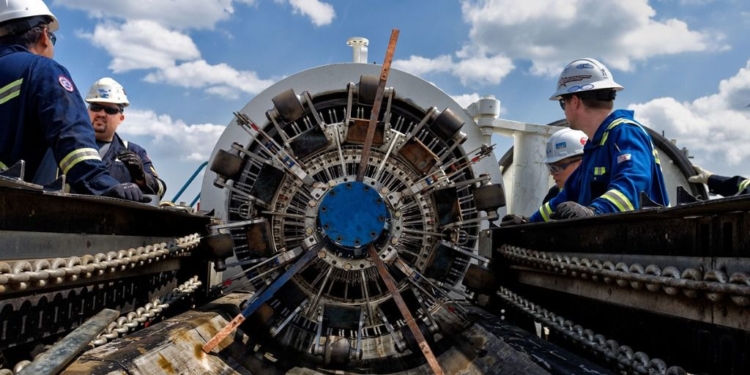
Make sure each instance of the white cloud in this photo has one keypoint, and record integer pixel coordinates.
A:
(168, 138)
(469, 67)
(465, 100)
(141, 44)
(714, 128)
(220, 79)
(320, 13)
(418, 65)
(182, 14)
(550, 33)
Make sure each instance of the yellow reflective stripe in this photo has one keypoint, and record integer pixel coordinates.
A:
(656, 154)
(10, 90)
(604, 139)
(744, 185)
(3, 166)
(598, 171)
(546, 211)
(612, 125)
(77, 156)
(618, 199)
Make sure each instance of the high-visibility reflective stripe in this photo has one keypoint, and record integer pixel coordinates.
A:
(599, 171)
(626, 121)
(744, 185)
(3, 166)
(10, 90)
(77, 156)
(546, 211)
(612, 125)
(619, 200)
(656, 155)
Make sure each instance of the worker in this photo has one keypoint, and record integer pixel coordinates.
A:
(564, 153)
(126, 161)
(619, 159)
(41, 108)
(563, 156)
(725, 186)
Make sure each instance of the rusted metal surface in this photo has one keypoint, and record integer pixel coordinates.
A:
(357, 132)
(419, 155)
(396, 295)
(169, 348)
(376, 105)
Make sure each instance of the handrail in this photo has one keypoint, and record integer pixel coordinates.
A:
(187, 183)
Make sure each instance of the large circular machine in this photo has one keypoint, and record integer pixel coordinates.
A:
(284, 177)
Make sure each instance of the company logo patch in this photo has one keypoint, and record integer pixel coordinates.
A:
(66, 84)
(560, 145)
(583, 141)
(623, 157)
(584, 66)
(563, 81)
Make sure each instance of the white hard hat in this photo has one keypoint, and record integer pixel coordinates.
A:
(107, 90)
(19, 9)
(564, 144)
(584, 75)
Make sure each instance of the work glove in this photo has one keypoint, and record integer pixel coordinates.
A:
(128, 190)
(701, 177)
(513, 219)
(134, 164)
(571, 210)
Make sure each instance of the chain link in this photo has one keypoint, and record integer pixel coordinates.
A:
(621, 355)
(129, 322)
(713, 284)
(133, 320)
(22, 274)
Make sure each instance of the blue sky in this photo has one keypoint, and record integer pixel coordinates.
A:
(187, 64)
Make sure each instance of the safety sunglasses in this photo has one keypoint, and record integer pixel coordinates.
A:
(108, 110)
(52, 37)
(557, 168)
(562, 104)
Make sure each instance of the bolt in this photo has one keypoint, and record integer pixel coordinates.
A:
(397, 214)
(313, 203)
(347, 266)
(322, 254)
(394, 240)
(309, 230)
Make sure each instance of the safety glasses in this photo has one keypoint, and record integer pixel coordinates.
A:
(557, 168)
(562, 104)
(52, 37)
(108, 110)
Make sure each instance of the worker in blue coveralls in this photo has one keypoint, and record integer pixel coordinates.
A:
(41, 108)
(725, 186)
(619, 159)
(126, 161)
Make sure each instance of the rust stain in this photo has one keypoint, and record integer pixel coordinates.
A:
(166, 365)
(198, 351)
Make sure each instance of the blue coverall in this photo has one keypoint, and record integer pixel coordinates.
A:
(41, 109)
(120, 172)
(619, 163)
